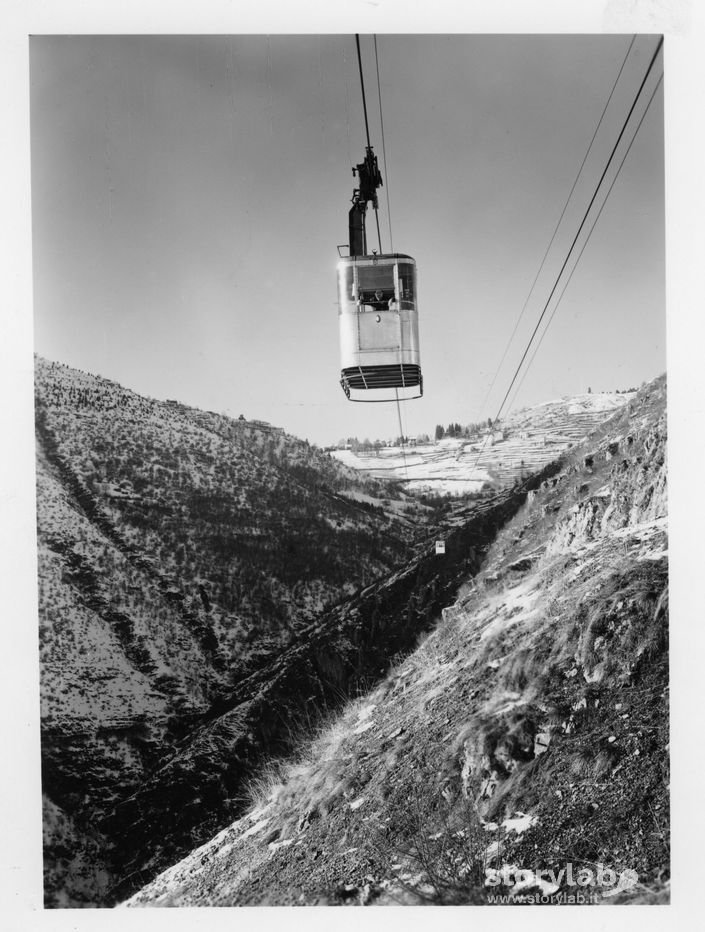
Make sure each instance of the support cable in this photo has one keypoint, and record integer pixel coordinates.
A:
(577, 235)
(582, 249)
(347, 103)
(379, 235)
(391, 241)
(367, 127)
(362, 85)
(384, 152)
(401, 434)
(555, 232)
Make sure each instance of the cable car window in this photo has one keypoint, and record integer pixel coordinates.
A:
(347, 294)
(372, 277)
(347, 283)
(376, 286)
(407, 281)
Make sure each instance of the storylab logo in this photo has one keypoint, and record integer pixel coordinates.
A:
(570, 884)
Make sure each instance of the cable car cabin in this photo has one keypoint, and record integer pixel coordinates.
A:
(379, 328)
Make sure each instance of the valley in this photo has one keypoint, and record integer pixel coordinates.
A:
(525, 737)
(214, 592)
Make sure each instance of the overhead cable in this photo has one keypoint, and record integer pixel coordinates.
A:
(577, 235)
(367, 127)
(384, 152)
(587, 238)
(582, 223)
(555, 231)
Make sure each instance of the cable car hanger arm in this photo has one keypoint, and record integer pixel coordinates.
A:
(369, 178)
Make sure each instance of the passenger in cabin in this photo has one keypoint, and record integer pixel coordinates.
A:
(384, 303)
(377, 301)
(373, 302)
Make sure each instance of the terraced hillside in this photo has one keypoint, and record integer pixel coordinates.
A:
(522, 444)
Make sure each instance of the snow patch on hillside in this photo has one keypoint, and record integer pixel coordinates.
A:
(522, 443)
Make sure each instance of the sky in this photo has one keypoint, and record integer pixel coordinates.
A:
(189, 194)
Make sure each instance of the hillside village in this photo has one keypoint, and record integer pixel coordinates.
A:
(202, 627)
(494, 455)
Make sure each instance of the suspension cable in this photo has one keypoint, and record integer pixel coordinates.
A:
(555, 231)
(582, 224)
(367, 126)
(362, 85)
(389, 217)
(347, 102)
(587, 238)
(391, 239)
(384, 152)
(401, 434)
(577, 235)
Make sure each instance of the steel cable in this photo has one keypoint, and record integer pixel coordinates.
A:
(577, 235)
(555, 231)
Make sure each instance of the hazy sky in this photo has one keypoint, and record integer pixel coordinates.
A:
(188, 195)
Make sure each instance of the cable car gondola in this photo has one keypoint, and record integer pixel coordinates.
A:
(377, 311)
(379, 332)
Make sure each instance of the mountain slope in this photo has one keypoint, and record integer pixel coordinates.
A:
(335, 657)
(529, 730)
(178, 551)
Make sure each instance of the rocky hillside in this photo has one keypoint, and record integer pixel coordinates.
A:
(523, 744)
(336, 657)
(179, 550)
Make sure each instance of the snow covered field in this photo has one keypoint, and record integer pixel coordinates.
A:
(440, 468)
(528, 439)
